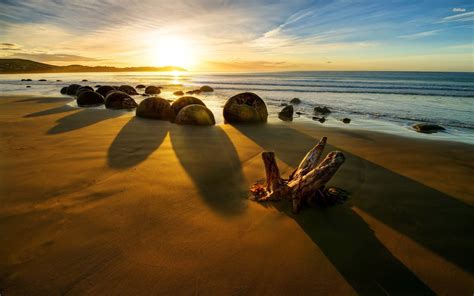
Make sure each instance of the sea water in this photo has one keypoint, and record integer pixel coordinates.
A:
(389, 102)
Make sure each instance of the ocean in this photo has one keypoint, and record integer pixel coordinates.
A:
(389, 102)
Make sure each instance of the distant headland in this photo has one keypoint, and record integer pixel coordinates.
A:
(10, 66)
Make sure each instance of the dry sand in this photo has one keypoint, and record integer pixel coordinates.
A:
(95, 202)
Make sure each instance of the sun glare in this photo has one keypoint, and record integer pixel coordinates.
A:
(173, 51)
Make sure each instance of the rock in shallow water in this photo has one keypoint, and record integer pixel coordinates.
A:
(245, 107)
(71, 89)
(119, 100)
(89, 98)
(178, 93)
(322, 110)
(128, 90)
(105, 89)
(183, 102)
(428, 128)
(295, 101)
(346, 120)
(155, 108)
(195, 114)
(83, 89)
(64, 90)
(206, 88)
(286, 114)
(152, 90)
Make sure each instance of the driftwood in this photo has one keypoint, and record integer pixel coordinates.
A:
(306, 183)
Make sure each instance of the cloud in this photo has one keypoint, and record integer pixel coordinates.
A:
(9, 46)
(461, 17)
(420, 35)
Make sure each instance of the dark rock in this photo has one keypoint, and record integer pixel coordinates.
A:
(283, 104)
(71, 89)
(346, 120)
(119, 100)
(322, 110)
(428, 128)
(28, 86)
(245, 107)
(286, 114)
(89, 98)
(194, 91)
(152, 90)
(58, 80)
(83, 89)
(206, 88)
(128, 90)
(320, 119)
(178, 93)
(64, 90)
(183, 102)
(295, 101)
(27, 79)
(140, 86)
(155, 108)
(105, 89)
(42, 80)
(195, 114)
(84, 80)
(97, 86)
(299, 113)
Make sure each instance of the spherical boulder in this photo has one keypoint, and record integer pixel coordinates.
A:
(195, 114)
(428, 128)
(104, 89)
(346, 120)
(119, 100)
(140, 86)
(83, 89)
(206, 88)
(152, 90)
(178, 93)
(182, 102)
(71, 89)
(128, 90)
(64, 90)
(89, 98)
(245, 107)
(286, 114)
(155, 108)
(295, 101)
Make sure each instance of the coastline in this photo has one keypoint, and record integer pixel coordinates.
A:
(97, 202)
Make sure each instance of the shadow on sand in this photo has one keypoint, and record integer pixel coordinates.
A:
(214, 166)
(83, 118)
(124, 152)
(437, 221)
(55, 110)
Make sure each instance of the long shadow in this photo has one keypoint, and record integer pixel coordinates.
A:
(124, 152)
(81, 119)
(45, 100)
(434, 219)
(55, 110)
(210, 159)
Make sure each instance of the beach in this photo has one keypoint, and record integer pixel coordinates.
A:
(99, 202)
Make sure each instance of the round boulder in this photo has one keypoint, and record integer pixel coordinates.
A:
(64, 90)
(195, 114)
(152, 90)
(178, 93)
(71, 89)
(346, 120)
(128, 90)
(140, 86)
(428, 128)
(206, 88)
(295, 101)
(119, 100)
(83, 89)
(155, 108)
(104, 89)
(183, 102)
(89, 98)
(245, 107)
(286, 114)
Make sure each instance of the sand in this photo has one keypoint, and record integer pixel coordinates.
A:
(97, 202)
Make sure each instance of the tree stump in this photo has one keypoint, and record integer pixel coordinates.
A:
(306, 183)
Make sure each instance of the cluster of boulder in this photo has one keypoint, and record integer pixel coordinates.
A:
(320, 112)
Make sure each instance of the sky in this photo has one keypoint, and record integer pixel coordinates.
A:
(242, 35)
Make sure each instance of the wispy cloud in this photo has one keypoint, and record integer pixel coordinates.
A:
(420, 35)
(9, 46)
(461, 17)
(48, 57)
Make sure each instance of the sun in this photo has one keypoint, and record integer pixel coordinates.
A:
(173, 51)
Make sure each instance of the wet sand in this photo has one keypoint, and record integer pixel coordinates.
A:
(97, 202)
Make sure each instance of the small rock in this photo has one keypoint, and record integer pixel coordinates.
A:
(42, 80)
(295, 101)
(28, 86)
(84, 80)
(346, 120)
(299, 113)
(428, 128)
(178, 93)
(206, 88)
(58, 80)
(286, 114)
(140, 86)
(152, 90)
(322, 110)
